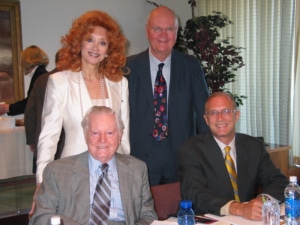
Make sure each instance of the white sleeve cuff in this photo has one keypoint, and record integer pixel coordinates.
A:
(224, 211)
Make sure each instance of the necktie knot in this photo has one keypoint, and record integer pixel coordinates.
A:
(160, 66)
(104, 168)
(227, 150)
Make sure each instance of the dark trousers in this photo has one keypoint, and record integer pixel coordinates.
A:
(162, 163)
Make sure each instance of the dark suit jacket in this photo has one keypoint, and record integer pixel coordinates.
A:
(187, 95)
(33, 113)
(19, 107)
(205, 180)
(65, 191)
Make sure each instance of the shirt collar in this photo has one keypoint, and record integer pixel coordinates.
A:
(95, 164)
(222, 145)
(156, 62)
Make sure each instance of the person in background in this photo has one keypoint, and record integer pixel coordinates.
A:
(33, 114)
(69, 184)
(91, 64)
(203, 162)
(34, 62)
(184, 96)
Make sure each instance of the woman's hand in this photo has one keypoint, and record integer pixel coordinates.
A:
(33, 202)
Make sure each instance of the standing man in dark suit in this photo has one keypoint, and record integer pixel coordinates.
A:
(203, 171)
(186, 95)
(33, 116)
(69, 186)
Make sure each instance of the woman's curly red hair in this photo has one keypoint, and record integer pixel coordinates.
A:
(112, 66)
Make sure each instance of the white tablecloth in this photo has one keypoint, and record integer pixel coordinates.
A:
(16, 157)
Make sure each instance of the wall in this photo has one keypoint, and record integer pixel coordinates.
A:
(45, 21)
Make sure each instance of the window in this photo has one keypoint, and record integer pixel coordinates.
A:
(265, 28)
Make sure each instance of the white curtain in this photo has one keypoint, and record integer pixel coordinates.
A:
(296, 133)
(265, 29)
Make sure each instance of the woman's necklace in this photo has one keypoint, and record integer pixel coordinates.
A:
(102, 87)
(102, 90)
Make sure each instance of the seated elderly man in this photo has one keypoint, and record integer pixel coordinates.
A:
(98, 186)
(219, 170)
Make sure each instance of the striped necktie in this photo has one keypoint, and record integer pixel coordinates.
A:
(232, 173)
(101, 203)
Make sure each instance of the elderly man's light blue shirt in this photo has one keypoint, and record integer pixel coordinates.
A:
(116, 212)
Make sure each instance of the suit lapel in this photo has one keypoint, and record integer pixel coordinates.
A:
(145, 79)
(80, 176)
(113, 89)
(125, 182)
(242, 160)
(174, 78)
(80, 90)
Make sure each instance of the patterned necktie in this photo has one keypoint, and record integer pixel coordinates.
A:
(160, 131)
(101, 203)
(232, 173)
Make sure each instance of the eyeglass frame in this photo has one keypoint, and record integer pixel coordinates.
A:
(160, 30)
(224, 112)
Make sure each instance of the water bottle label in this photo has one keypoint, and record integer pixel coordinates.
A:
(292, 208)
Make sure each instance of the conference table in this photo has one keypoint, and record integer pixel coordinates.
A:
(16, 157)
(227, 220)
(224, 220)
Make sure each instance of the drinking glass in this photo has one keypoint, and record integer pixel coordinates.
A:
(271, 212)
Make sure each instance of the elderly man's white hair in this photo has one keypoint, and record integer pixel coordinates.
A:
(101, 110)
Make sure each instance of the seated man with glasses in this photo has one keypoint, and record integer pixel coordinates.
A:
(219, 170)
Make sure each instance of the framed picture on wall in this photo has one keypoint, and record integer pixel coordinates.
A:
(11, 75)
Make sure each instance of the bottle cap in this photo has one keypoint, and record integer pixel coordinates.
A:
(55, 220)
(185, 204)
(293, 179)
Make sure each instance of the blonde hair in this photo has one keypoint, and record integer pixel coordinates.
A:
(33, 56)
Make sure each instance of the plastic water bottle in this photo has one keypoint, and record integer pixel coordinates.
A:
(292, 202)
(55, 220)
(186, 215)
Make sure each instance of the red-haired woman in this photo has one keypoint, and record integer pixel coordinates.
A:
(91, 61)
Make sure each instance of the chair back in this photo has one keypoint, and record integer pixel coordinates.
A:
(166, 199)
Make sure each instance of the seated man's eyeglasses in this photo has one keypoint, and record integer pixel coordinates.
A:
(168, 30)
(224, 112)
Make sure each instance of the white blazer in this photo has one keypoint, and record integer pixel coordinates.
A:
(66, 102)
